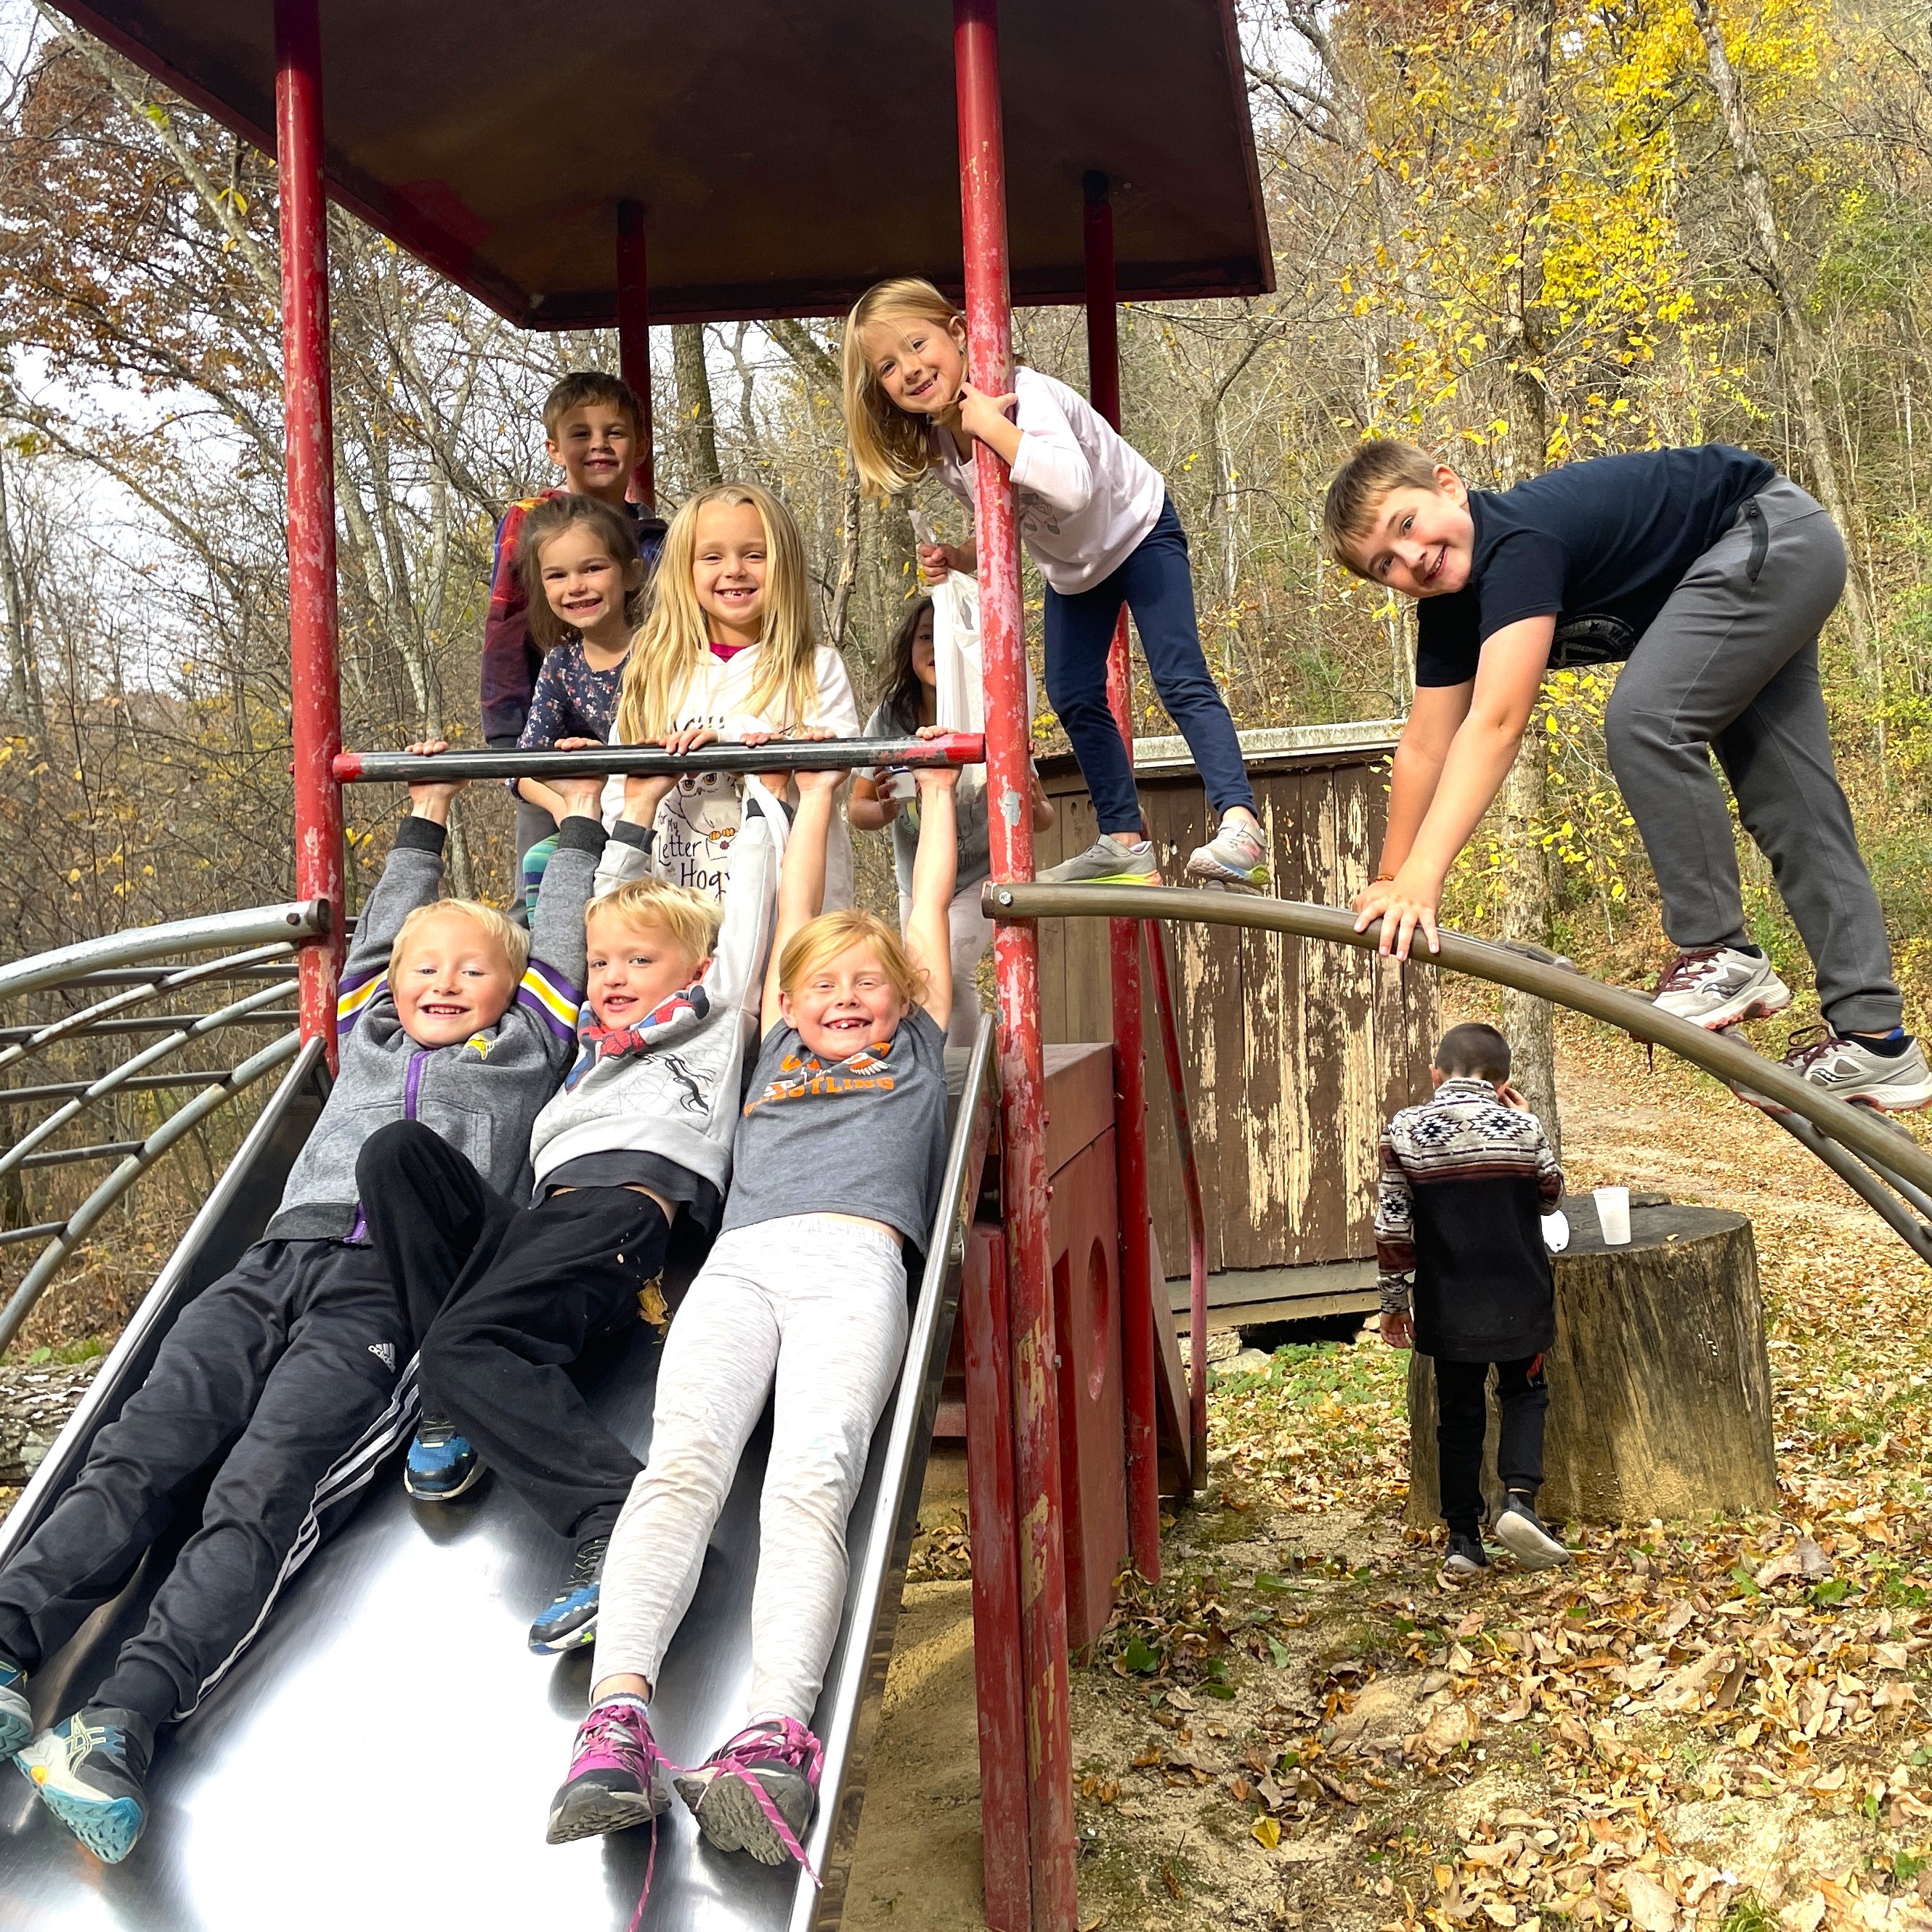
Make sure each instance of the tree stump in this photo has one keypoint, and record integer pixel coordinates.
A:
(1659, 1386)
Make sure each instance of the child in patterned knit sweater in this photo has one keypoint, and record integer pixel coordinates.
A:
(1463, 1183)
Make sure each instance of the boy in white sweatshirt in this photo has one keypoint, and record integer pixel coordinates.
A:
(641, 1130)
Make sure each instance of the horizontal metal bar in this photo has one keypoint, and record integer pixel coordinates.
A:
(47, 1263)
(66, 1089)
(301, 920)
(1529, 969)
(1860, 1179)
(40, 1230)
(150, 976)
(69, 1156)
(89, 1018)
(153, 1023)
(792, 755)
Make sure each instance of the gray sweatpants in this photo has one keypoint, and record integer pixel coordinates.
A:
(812, 1311)
(1731, 665)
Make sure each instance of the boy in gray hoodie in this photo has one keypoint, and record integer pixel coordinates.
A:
(641, 1132)
(288, 1373)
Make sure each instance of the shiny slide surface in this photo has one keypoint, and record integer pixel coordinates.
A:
(384, 1754)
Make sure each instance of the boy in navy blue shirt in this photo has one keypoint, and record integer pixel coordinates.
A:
(1711, 576)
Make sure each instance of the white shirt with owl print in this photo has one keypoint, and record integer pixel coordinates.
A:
(1085, 499)
(699, 819)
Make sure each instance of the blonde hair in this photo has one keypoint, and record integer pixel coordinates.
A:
(832, 933)
(512, 940)
(891, 449)
(670, 648)
(1356, 493)
(692, 920)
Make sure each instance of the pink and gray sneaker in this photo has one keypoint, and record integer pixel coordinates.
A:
(616, 1774)
(756, 1795)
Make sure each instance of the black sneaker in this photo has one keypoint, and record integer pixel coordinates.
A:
(1527, 1537)
(570, 1621)
(1467, 1557)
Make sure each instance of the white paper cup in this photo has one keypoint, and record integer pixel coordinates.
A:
(1612, 1215)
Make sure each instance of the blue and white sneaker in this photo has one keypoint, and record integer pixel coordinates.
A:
(570, 1621)
(17, 1718)
(89, 1771)
(443, 1464)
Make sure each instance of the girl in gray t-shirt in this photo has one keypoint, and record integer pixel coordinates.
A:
(839, 1154)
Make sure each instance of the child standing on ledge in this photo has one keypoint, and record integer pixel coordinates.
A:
(1464, 1182)
(1095, 516)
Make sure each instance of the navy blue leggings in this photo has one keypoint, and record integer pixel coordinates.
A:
(1155, 585)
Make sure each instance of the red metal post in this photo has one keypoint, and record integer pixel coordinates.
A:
(315, 694)
(996, 1646)
(1130, 1149)
(634, 340)
(1043, 1571)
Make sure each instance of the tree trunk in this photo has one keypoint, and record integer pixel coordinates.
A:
(1529, 1025)
(1798, 345)
(23, 670)
(1660, 1385)
(695, 414)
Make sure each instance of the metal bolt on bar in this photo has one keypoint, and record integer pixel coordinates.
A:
(303, 919)
(1857, 1130)
(793, 755)
(84, 1218)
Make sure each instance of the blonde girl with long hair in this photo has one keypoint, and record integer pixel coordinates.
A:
(730, 649)
(840, 1157)
(1096, 516)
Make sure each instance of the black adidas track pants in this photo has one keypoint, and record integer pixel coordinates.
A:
(285, 1376)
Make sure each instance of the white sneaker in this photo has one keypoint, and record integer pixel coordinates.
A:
(1848, 1070)
(1236, 856)
(1716, 986)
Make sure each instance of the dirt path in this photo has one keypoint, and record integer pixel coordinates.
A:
(1717, 1725)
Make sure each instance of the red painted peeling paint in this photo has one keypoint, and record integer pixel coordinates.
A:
(309, 442)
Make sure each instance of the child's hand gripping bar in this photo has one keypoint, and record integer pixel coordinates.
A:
(780, 754)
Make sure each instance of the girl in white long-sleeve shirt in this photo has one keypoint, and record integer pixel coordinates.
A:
(730, 646)
(1095, 516)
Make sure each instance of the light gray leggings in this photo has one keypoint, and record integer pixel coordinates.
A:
(812, 1311)
(1731, 665)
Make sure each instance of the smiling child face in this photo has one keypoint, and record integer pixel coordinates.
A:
(584, 584)
(595, 444)
(1422, 542)
(920, 363)
(730, 561)
(634, 965)
(847, 1002)
(452, 980)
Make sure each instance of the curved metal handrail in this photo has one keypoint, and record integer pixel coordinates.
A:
(82, 1220)
(97, 1017)
(1891, 1156)
(268, 936)
(306, 919)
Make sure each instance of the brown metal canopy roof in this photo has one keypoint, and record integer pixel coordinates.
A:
(786, 155)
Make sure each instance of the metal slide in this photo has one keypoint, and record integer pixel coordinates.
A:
(384, 1754)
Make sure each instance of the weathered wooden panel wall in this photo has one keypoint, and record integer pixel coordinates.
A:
(1296, 1052)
